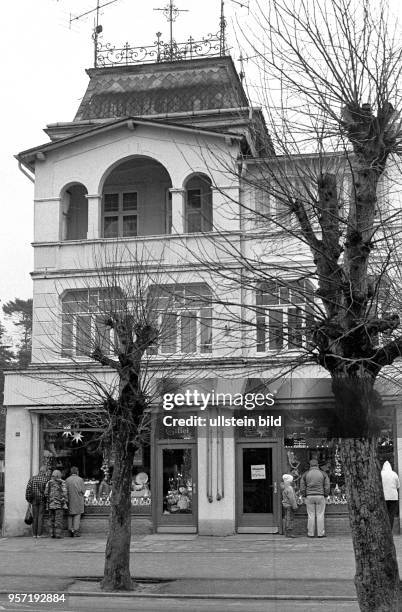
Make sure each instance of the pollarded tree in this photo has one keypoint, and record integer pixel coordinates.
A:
(328, 211)
(114, 319)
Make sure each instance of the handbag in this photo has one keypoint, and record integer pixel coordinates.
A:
(28, 515)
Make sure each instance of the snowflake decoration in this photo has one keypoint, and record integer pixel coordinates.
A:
(67, 431)
(77, 436)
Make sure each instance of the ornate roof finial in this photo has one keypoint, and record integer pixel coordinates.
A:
(171, 13)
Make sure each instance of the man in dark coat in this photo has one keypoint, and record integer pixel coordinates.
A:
(35, 495)
(75, 492)
(315, 487)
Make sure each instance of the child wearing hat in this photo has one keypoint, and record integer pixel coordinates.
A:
(289, 504)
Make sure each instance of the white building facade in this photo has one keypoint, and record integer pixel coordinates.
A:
(150, 166)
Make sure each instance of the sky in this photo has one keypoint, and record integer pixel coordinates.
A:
(43, 81)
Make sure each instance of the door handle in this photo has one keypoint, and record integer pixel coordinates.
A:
(275, 488)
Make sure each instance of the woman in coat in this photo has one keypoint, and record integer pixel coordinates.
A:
(56, 500)
(75, 492)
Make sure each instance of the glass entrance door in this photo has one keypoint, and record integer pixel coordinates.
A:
(177, 503)
(257, 490)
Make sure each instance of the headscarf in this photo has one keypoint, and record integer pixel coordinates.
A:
(387, 467)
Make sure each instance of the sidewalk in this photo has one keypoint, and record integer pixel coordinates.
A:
(268, 566)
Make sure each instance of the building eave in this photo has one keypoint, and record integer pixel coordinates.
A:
(29, 156)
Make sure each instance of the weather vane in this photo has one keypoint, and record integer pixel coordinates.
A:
(171, 13)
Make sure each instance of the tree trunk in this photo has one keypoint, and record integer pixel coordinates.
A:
(358, 415)
(117, 557)
(376, 578)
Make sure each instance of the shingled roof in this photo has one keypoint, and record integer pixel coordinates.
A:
(167, 87)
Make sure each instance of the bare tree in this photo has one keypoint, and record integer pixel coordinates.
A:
(326, 211)
(115, 320)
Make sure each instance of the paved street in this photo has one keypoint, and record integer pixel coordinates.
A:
(246, 567)
(176, 605)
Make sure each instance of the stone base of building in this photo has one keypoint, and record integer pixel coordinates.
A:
(91, 524)
(216, 527)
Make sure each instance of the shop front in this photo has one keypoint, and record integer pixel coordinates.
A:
(264, 454)
(257, 486)
(175, 477)
(210, 480)
(67, 441)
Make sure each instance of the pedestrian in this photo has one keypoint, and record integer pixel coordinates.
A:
(75, 493)
(56, 496)
(390, 485)
(35, 495)
(315, 487)
(289, 504)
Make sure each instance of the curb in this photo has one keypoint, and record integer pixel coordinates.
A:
(209, 596)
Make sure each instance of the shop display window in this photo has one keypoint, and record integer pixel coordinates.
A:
(177, 481)
(65, 443)
(328, 457)
(307, 436)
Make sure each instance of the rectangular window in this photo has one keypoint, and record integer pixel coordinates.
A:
(189, 332)
(283, 316)
(262, 203)
(130, 225)
(83, 340)
(275, 318)
(295, 326)
(194, 211)
(206, 330)
(102, 336)
(194, 199)
(261, 333)
(185, 319)
(111, 202)
(84, 315)
(120, 214)
(67, 336)
(111, 227)
(168, 333)
(130, 201)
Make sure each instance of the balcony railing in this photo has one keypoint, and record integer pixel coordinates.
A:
(212, 45)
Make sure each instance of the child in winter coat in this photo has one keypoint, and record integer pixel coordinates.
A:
(289, 504)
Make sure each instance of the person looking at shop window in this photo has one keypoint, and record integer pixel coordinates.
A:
(56, 496)
(289, 504)
(315, 487)
(75, 493)
(390, 485)
(35, 495)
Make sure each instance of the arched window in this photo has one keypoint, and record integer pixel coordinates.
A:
(135, 199)
(75, 212)
(198, 204)
(284, 315)
(184, 314)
